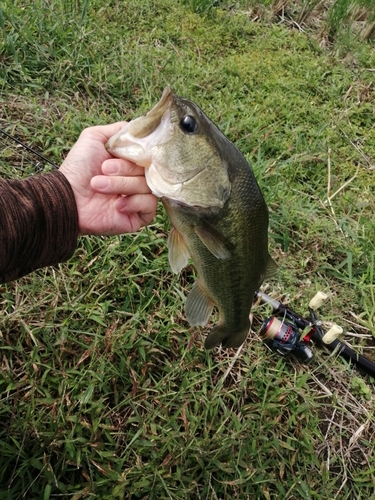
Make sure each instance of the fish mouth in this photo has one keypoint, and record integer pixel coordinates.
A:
(145, 125)
(141, 134)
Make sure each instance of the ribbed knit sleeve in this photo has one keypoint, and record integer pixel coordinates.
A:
(38, 224)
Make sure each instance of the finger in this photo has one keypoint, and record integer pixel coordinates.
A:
(128, 185)
(105, 130)
(116, 166)
(143, 204)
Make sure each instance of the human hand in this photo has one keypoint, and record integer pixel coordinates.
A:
(111, 194)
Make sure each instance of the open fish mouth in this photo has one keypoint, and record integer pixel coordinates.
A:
(174, 143)
(218, 215)
(136, 140)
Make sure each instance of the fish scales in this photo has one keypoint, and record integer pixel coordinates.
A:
(232, 282)
(217, 212)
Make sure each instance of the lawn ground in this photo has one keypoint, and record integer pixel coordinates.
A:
(105, 390)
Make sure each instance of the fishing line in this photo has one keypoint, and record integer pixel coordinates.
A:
(28, 148)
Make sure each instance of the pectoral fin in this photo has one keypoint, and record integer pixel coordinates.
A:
(214, 240)
(198, 306)
(178, 254)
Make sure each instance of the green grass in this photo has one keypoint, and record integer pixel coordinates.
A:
(338, 22)
(105, 390)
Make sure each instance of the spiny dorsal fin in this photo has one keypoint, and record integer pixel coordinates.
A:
(214, 240)
(271, 268)
(198, 306)
(178, 254)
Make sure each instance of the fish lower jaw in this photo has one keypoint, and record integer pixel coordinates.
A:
(174, 193)
(160, 187)
(132, 152)
(178, 202)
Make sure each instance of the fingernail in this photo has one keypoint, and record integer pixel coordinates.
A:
(100, 182)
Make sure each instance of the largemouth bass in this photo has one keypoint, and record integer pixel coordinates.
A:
(217, 212)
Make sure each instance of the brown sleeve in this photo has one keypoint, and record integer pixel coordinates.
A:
(38, 224)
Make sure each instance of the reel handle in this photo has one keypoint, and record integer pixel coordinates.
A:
(333, 333)
(318, 300)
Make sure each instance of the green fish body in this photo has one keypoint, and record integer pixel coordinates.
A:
(217, 212)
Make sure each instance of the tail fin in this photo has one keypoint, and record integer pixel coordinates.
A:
(220, 335)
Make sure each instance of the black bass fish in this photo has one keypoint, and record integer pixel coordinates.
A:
(217, 212)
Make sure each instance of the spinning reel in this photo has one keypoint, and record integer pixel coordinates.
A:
(286, 332)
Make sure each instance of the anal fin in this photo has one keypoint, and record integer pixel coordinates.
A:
(199, 306)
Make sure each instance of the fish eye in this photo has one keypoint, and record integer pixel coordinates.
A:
(188, 124)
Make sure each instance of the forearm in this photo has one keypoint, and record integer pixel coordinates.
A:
(38, 224)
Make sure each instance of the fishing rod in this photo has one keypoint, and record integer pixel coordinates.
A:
(293, 333)
(18, 141)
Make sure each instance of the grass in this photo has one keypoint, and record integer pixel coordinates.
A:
(105, 392)
(338, 22)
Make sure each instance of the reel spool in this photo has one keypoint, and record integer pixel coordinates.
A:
(283, 337)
